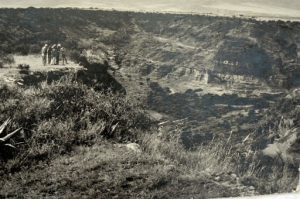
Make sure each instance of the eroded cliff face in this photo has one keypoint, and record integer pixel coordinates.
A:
(220, 73)
(195, 46)
(203, 78)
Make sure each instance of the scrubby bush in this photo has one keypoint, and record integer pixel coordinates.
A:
(6, 59)
(34, 48)
(23, 67)
(65, 114)
(74, 55)
(5, 140)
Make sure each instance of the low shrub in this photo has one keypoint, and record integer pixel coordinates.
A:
(6, 59)
(5, 138)
(74, 55)
(23, 66)
(58, 116)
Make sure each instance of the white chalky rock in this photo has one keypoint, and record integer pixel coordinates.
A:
(134, 147)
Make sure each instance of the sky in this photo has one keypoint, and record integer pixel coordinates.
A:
(289, 8)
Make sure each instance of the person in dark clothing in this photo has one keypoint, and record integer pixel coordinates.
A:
(63, 55)
(57, 53)
(49, 51)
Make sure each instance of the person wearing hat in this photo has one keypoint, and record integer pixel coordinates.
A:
(44, 54)
(53, 54)
(57, 53)
(63, 55)
(49, 54)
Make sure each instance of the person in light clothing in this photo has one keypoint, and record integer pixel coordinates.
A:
(53, 54)
(63, 55)
(49, 54)
(44, 54)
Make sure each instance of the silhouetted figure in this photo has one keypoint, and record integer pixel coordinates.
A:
(57, 53)
(49, 51)
(63, 55)
(44, 54)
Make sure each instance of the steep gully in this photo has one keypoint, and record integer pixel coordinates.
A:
(222, 85)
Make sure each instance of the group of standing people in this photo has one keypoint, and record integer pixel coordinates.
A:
(53, 54)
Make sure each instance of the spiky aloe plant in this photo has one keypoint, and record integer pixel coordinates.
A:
(5, 139)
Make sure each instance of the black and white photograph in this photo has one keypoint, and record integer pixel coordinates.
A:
(140, 99)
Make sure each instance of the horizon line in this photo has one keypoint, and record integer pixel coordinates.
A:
(242, 15)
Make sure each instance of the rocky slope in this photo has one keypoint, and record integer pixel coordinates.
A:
(216, 76)
(221, 73)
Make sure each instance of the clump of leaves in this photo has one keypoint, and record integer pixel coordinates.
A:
(4, 139)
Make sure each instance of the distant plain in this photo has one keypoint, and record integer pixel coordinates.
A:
(267, 9)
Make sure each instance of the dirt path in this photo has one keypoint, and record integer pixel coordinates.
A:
(8, 74)
(35, 63)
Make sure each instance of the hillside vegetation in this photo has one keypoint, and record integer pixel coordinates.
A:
(267, 50)
(73, 145)
(164, 106)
